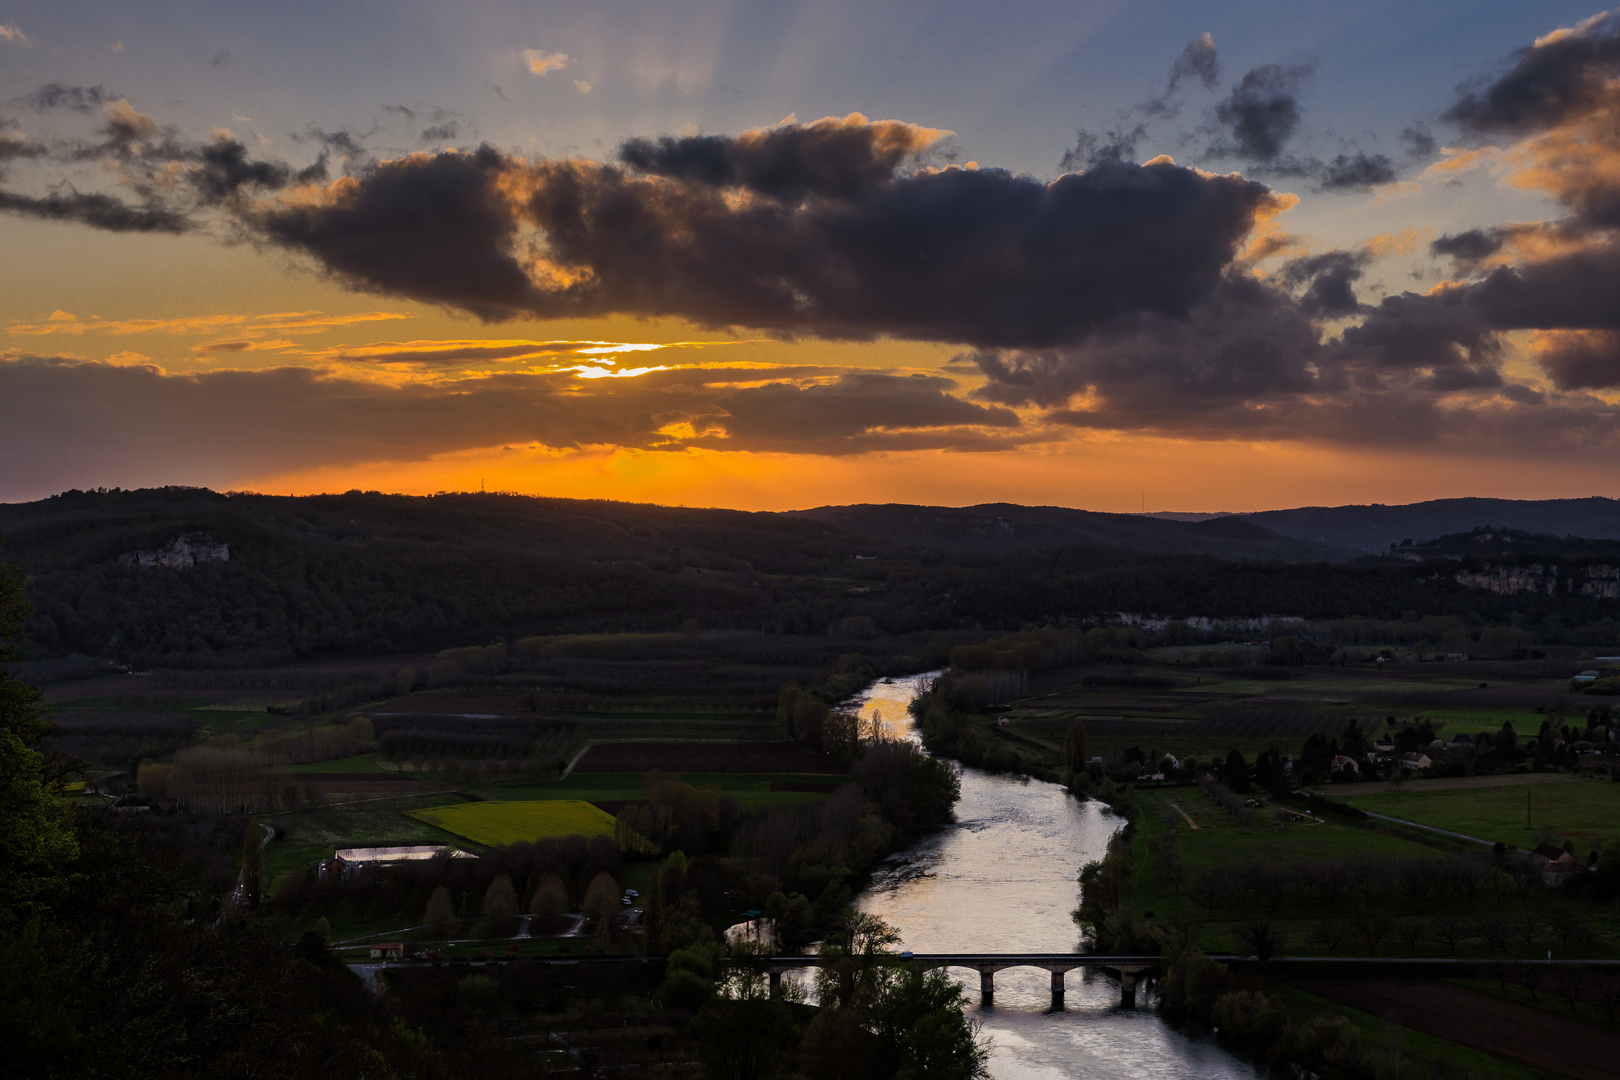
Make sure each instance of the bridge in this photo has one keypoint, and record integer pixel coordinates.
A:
(1130, 969)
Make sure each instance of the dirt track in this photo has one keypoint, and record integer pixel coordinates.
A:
(1470, 1018)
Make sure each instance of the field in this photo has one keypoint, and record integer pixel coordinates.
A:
(725, 757)
(1217, 841)
(492, 823)
(1483, 1022)
(1585, 811)
(1421, 1052)
(308, 836)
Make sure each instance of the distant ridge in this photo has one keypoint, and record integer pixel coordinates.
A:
(1008, 527)
(1374, 527)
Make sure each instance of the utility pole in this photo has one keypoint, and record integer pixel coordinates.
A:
(1528, 823)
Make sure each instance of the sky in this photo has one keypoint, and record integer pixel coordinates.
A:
(1113, 255)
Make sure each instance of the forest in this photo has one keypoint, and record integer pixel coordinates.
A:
(274, 580)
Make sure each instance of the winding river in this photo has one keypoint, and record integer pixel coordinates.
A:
(1002, 879)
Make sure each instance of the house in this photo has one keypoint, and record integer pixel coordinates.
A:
(1003, 721)
(1460, 741)
(1560, 871)
(391, 951)
(1416, 762)
(1342, 764)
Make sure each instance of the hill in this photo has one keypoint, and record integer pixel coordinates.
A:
(1374, 528)
(1007, 527)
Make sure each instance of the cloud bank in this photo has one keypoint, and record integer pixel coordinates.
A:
(1117, 297)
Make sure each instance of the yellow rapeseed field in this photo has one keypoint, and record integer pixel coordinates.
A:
(493, 823)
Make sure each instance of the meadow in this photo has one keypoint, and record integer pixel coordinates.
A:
(1584, 811)
(497, 823)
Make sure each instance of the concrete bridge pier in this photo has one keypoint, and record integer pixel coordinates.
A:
(987, 988)
(1057, 990)
(1127, 989)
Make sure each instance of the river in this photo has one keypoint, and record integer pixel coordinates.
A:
(1002, 879)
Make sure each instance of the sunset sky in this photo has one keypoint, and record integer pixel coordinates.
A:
(1112, 255)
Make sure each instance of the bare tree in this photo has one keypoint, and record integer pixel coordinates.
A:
(1606, 989)
(1494, 931)
(1450, 929)
(1409, 932)
(1570, 924)
(1570, 981)
(1372, 927)
(1261, 939)
(1330, 934)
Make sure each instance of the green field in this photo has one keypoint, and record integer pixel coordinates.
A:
(1218, 841)
(752, 791)
(493, 823)
(1585, 811)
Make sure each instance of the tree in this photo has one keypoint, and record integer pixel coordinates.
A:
(1261, 939)
(601, 898)
(37, 839)
(922, 1029)
(1235, 774)
(500, 905)
(743, 1039)
(440, 917)
(550, 897)
(1075, 757)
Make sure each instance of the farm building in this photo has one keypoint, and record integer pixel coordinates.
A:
(347, 861)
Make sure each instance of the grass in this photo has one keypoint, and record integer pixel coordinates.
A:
(312, 835)
(1546, 999)
(1585, 811)
(1220, 841)
(492, 823)
(751, 790)
(1420, 1053)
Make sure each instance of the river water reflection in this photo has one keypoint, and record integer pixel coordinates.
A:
(1002, 879)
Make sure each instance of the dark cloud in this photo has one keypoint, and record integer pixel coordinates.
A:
(1579, 360)
(1262, 113)
(95, 210)
(976, 256)
(1091, 149)
(56, 95)
(1328, 280)
(445, 132)
(1468, 248)
(1564, 75)
(434, 228)
(1197, 62)
(1420, 145)
(841, 159)
(1357, 173)
(859, 404)
(221, 58)
(224, 169)
(77, 424)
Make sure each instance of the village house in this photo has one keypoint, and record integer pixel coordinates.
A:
(1416, 762)
(1342, 764)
